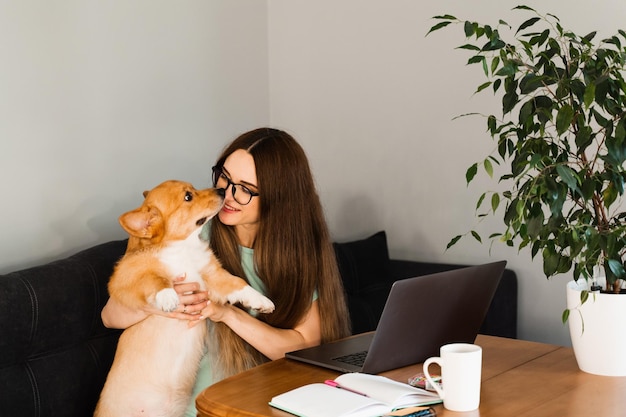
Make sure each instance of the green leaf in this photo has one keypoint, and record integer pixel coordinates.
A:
(496, 85)
(527, 24)
(535, 249)
(557, 19)
(509, 100)
(468, 27)
(543, 102)
(616, 267)
(609, 195)
(480, 201)
(483, 86)
(476, 236)
(492, 124)
(564, 118)
(602, 121)
(485, 69)
(540, 39)
(488, 167)
(437, 27)
(494, 45)
(494, 63)
(445, 17)
(534, 225)
(568, 176)
(527, 111)
(530, 83)
(522, 7)
(590, 94)
(489, 31)
(589, 37)
(495, 201)
(615, 41)
(511, 212)
(471, 173)
(453, 241)
(588, 188)
(565, 316)
(476, 59)
(616, 149)
(469, 47)
(510, 68)
(550, 262)
(584, 296)
(583, 137)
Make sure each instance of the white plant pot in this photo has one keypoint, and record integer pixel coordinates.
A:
(597, 330)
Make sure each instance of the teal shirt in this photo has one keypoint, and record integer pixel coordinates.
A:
(205, 377)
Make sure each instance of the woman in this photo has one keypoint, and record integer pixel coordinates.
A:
(272, 232)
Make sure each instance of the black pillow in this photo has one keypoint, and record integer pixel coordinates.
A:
(363, 263)
(364, 266)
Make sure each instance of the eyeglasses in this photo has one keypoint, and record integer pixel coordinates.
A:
(221, 180)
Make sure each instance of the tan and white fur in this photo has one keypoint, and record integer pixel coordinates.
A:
(156, 361)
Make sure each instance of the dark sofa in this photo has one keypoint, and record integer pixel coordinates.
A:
(55, 353)
(368, 273)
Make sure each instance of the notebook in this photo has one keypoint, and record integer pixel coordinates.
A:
(420, 315)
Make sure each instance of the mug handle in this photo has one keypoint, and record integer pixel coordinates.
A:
(437, 386)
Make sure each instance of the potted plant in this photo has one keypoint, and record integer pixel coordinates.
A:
(561, 143)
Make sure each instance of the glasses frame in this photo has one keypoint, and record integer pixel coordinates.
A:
(218, 172)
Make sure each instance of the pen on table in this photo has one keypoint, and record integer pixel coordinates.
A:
(429, 412)
(335, 384)
(423, 412)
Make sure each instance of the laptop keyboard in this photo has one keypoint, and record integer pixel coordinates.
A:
(356, 359)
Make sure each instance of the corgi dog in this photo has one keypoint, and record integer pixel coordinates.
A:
(156, 361)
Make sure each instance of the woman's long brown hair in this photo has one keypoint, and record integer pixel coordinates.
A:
(293, 252)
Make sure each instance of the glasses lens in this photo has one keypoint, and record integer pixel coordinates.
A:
(242, 196)
(241, 193)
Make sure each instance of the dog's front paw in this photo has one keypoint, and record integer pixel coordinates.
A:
(265, 305)
(251, 298)
(167, 300)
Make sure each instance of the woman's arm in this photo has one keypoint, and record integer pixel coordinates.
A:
(270, 341)
(118, 316)
(191, 302)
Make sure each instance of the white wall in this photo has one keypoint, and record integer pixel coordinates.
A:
(100, 100)
(372, 99)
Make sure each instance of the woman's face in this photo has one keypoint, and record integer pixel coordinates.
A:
(239, 167)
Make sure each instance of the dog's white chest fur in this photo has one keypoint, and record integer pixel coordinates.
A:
(186, 258)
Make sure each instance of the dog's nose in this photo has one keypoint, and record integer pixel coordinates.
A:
(221, 192)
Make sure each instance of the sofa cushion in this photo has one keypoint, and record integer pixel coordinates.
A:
(364, 266)
(368, 273)
(54, 351)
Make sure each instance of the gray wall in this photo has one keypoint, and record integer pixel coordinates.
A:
(373, 100)
(101, 100)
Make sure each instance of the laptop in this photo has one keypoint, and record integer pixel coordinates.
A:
(421, 314)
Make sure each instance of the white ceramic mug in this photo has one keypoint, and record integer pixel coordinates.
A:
(461, 365)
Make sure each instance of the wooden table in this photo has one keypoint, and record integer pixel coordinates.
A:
(519, 378)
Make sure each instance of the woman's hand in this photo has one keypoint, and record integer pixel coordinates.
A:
(271, 341)
(215, 312)
(192, 300)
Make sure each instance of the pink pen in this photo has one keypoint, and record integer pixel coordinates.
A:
(335, 384)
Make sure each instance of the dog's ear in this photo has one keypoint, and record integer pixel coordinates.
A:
(145, 193)
(144, 222)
